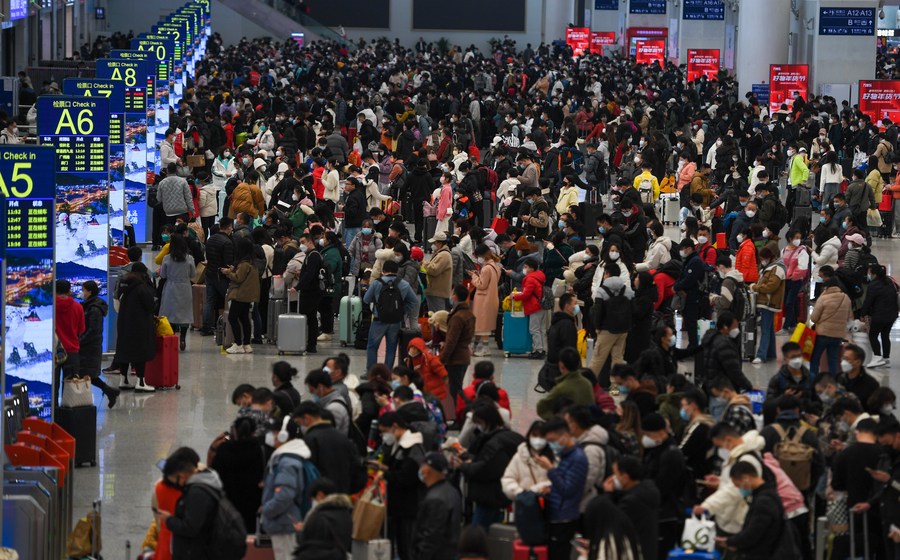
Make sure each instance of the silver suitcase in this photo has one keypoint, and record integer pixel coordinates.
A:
(291, 332)
(500, 540)
(377, 549)
(669, 208)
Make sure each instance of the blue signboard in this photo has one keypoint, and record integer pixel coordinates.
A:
(847, 21)
(761, 91)
(647, 7)
(27, 239)
(78, 128)
(704, 10)
(18, 9)
(139, 77)
(606, 5)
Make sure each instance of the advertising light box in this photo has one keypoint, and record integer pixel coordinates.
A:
(649, 51)
(703, 62)
(786, 81)
(600, 39)
(579, 38)
(27, 238)
(880, 99)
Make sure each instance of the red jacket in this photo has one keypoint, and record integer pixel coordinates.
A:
(469, 394)
(69, 323)
(745, 261)
(430, 367)
(664, 284)
(318, 185)
(532, 292)
(708, 254)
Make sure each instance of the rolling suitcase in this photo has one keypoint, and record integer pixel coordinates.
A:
(198, 293)
(376, 549)
(516, 337)
(748, 338)
(349, 317)
(501, 540)
(292, 332)
(258, 552)
(224, 336)
(669, 208)
(81, 423)
(522, 551)
(430, 228)
(277, 307)
(162, 371)
(802, 197)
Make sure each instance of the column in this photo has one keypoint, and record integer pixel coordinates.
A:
(762, 39)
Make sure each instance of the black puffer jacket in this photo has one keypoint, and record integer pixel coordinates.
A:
(881, 302)
(91, 340)
(355, 210)
(491, 452)
(563, 334)
(420, 184)
(722, 358)
(219, 254)
(327, 530)
(765, 535)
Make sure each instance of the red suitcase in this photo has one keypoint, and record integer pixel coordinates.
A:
(162, 371)
(522, 551)
(258, 553)
(198, 292)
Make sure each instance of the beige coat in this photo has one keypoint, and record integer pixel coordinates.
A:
(486, 304)
(831, 313)
(522, 474)
(439, 271)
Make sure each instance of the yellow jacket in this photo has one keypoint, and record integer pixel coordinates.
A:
(646, 175)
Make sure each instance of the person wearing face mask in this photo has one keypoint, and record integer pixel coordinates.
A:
(686, 170)
(660, 251)
(523, 474)
(664, 463)
(404, 452)
(10, 134)
(741, 224)
(439, 272)
(363, 248)
(330, 451)
(485, 304)
(642, 392)
(328, 523)
(695, 443)
(439, 517)
(788, 426)
(745, 258)
(567, 480)
(854, 377)
(881, 307)
(721, 349)
(797, 260)
(764, 533)
(770, 287)
(638, 498)
(793, 377)
(830, 315)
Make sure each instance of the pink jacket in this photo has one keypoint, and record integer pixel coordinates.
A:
(791, 498)
(445, 202)
(687, 173)
(797, 261)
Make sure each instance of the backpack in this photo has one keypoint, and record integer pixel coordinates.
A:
(389, 306)
(547, 299)
(530, 518)
(600, 174)
(617, 310)
(326, 280)
(152, 197)
(850, 282)
(781, 213)
(646, 189)
(346, 259)
(429, 432)
(794, 456)
(866, 259)
(740, 300)
(546, 378)
(491, 180)
(400, 181)
(227, 534)
(571, 158)
(612, 455)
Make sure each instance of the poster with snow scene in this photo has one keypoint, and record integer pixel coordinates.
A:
(27, 238)
(78, 127)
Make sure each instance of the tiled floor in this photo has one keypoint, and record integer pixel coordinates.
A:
(143, 429)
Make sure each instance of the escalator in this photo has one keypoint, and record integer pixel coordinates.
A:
(283, 17)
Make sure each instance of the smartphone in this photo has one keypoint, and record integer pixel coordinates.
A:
(161, 464)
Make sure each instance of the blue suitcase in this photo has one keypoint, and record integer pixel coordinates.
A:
(516, 338)
(680, 554)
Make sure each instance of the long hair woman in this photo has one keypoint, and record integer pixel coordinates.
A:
(176, 302)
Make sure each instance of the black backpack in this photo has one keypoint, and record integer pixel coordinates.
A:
(227, 534)
(531, 518)
(781, 213)
(616, 311)
(326, 279)
(389, 306)
(346, 259)
(740, 301)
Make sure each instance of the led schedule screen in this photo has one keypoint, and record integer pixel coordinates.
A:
(27, 178)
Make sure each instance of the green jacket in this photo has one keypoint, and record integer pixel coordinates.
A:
(799, 173)
(298, 218)
(555, 260)
(331, 255)
(572, 386)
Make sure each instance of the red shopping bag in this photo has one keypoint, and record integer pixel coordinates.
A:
(499, 225)
(806, 338)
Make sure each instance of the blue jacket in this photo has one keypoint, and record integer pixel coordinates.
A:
(410, 300)
(567, 488)
(283, 488)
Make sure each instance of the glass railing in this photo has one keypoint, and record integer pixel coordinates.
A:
(291, 10)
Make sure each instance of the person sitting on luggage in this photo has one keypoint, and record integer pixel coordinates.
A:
(571, 386)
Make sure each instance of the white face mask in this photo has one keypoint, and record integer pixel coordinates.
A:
(537, 443)
(718, 143)
(750, 213)
(702, 239)
(648, 442)
(270, 439)
(790, 153)
(637, 160)
(846, 366)
(295, 198)
(397, 259)
(765, 233)
(734, 333)
(740, 237)
(617, 483)
(683, 254)
(388, 438)
(795, 363)
(723, 453)
(795, 242)
(613, 256)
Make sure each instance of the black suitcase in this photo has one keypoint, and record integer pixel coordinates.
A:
(430, 227)
(81, 423)
(589, 213)
(887, 224)
(748, 338)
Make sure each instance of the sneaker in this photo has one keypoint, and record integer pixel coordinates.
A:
(113, 396)
(324, 337)
(235, 349)
(877, 361)
(896, 235)
(757, 361)
(125, 385)
(142, 387)
(112, 371)
(248, 349)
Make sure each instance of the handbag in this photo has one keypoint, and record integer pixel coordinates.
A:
(77, 392)
(81, 540)
(806, 337)
(200, 274)
(429, 210)
(873, 217)
(369, 514)
(699, 534)
(163, 327)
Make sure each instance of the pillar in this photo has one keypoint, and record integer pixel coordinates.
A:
(762, 39)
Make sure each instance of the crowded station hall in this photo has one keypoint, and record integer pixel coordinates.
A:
(406, 280)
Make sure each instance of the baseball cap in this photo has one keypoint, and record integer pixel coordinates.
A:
(437, 461)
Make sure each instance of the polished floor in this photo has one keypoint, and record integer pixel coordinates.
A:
(142, 429)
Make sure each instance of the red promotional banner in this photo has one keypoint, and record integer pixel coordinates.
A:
(785, 82)
(601, 38)
(650, 50)
(880, 99)
(579, 38)
(702, 62)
